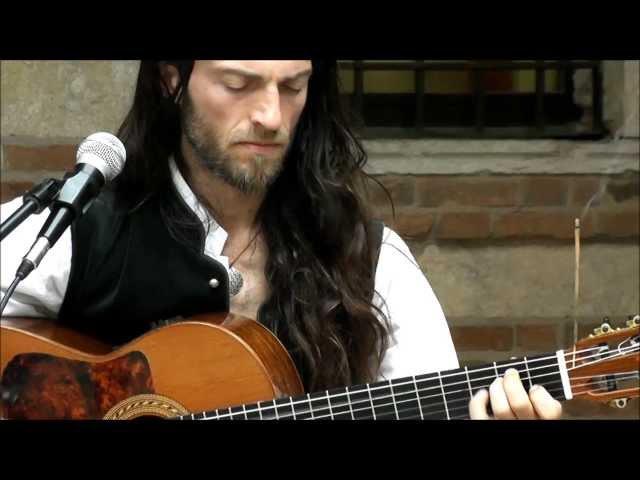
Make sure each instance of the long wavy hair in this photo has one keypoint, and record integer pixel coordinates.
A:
(316, 226)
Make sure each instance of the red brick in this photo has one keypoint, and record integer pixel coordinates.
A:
(536, 337)
(619, 224)
(464, 225)
(541, 224)
(412, 223)
(53, 157)
(583, 189)
(474, 191)
(11, 190)
(400, 188)
(482, 338)
(545, 191)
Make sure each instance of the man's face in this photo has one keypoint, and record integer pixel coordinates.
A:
(239, 117)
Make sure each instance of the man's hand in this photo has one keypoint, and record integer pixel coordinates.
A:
(509, 401)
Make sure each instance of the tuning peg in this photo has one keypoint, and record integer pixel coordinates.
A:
(618, 403)
(603, 329)
(633, 321)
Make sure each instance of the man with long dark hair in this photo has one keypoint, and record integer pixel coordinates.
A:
(243, 192)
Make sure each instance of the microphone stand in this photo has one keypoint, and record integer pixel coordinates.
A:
(35, 201)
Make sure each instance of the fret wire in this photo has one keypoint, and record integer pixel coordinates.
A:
(230, 414)
(444, 397)
(310, 405)
(371, 401)
(495, 367)
(245, 412)
(275, 408)
(293, 409)
(466, 370)
(393, 400)
(418, 397)
(526, 366)
(329, 403)
(260, 410)
(346, 389)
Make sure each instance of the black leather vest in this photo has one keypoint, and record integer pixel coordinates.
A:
(128, 271)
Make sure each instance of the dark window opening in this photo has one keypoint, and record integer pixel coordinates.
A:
(472, 99)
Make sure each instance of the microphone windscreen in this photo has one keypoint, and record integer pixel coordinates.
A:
(103, 151)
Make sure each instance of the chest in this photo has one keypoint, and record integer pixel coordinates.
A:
(254, 289)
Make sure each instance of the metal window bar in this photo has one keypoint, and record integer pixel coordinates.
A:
(358, 85)
(596, 100)
(479, 98)
(420, 88)
(540, 88)
(566, 69)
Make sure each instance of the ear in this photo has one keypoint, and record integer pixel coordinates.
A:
(170, 79)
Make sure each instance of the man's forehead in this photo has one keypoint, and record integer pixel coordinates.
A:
(263, 68)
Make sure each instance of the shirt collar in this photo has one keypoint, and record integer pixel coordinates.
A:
(216, 235)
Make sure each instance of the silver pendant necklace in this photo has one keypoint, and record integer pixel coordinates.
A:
(235, 277)
(235, 282)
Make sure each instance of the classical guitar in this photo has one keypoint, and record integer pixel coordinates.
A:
(228, 367)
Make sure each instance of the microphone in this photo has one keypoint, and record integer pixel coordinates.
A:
(100, 158)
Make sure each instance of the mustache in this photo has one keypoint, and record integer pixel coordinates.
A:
(281, 137)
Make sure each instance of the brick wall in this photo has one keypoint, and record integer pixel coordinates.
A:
(503, 208)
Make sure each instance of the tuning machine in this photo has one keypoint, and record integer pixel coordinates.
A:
(603, 329)
(619, 403)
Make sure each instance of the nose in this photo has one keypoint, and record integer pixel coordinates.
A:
(268, 115)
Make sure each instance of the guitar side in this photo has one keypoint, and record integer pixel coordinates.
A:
(208, 361)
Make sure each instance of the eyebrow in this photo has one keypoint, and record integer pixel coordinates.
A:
(255, 76)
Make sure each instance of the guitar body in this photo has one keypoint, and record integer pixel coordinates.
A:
(206, 362)
(229, 367)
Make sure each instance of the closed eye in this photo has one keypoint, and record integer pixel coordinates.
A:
(235, 88)
(292, 88)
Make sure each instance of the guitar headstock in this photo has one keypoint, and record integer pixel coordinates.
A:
(604, 367)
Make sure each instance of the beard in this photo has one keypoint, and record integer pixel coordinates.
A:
(250, 173)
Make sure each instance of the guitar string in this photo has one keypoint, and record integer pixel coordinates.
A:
(343, 394)
(266, 408)
(428, 412)
(442, 411)
(619, 377)
(439, 411)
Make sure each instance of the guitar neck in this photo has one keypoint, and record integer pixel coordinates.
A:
(435, 396)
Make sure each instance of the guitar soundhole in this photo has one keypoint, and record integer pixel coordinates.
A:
(40, 386)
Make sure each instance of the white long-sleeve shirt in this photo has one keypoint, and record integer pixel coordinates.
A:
(420, 341)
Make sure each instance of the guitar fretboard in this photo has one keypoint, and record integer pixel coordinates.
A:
(433, 396)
